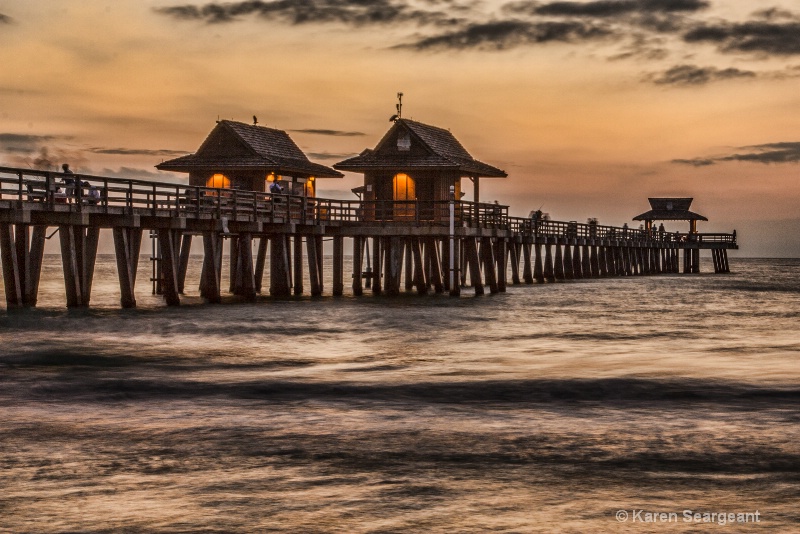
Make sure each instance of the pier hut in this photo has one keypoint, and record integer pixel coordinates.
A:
(243, 156)
(409, 174)
(670, 209)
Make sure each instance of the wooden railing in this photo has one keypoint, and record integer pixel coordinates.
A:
(118, 195)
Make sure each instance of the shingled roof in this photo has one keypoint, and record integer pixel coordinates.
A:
(441, 150)
(239, 146)
(670, 209)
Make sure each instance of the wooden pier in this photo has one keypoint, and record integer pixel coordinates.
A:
(424, 246)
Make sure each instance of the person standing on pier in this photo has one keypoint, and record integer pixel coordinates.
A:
(69, 181)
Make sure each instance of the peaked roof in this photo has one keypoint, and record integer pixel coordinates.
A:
(259, 148)
(670, 209)
(441, 151)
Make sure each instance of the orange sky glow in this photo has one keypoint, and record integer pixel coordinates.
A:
(589, 106)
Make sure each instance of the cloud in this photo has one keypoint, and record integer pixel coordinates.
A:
(505, 34)
(49, 159)
(134, 173)
(335, 133)
(608, 8)
(329, 155)
(783, 152)
(138, 152)
(687, 75)
(297, 12)
(22, 143)
(5, 19)
(759, 36)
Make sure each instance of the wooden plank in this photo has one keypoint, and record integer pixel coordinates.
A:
(11, 277)
(169, 263)
(338, 266)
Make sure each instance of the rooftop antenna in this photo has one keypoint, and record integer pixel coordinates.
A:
(399, 107)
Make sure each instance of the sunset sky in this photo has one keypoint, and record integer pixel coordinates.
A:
(590, 107)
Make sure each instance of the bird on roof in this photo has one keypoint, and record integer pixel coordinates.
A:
(393, 118)
(255, 120)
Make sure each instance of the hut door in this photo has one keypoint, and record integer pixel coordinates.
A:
(404, 196)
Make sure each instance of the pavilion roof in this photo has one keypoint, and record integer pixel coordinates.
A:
(670, 209)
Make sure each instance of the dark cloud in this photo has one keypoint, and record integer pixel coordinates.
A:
(608, 8)
(329, 155)
(784, 152)
(350, 12)
(334, 133)
(505, 34)
(138, 152)
(5, 19)
(694, 75)
(767, 37)
(22, 143)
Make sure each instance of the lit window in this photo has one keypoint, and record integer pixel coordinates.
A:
(219, 181)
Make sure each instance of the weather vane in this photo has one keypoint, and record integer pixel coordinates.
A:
(399, 107)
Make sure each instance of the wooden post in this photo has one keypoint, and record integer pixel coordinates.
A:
(185, 250)
(169, 260)
(569, 270)
(35, 256)
(11, 274)
(586, 267)
(313, 266)
(434, 266)
(338, 266)
(455, 288)
(297, 259)
(471, 254)
(538, 270)
(577, 264)
(234, 260)
(358, 254)
(89, 259)
(726, 267)
(501, 259)
(594, 262)
(376, 265)
(527, 270)
(261, 261)
(126, 247)
(69, 261)
(280, 284)
(246, 278)
(394, 263)
(549, 273)
(408, 269)
(445, 264)
(489, 263)
(211, 276)
(420, 280)
(514, 250)
(320, 262)
(558, 267)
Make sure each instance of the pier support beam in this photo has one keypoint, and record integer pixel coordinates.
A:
(569, 271)
(454, 276)
(211, 275)
(169, 265)
(538, 269)
(577, 265)
(514, 250)
(183, 264)
(527, 270)
(434, 265)
(376, 265)
(297, 259)
(280, 283)
(472, 259)
(501, 259)
(358, 260)
(22, 255)
(558, 268)
(489, 264)
(338, 266)
(244, 278)
(78, 255)
(127, 242)
(314, 271)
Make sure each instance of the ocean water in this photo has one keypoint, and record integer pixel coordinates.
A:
(571, 407)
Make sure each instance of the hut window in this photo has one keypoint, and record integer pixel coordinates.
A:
(403, 142)
(404, 187)
(219, 181)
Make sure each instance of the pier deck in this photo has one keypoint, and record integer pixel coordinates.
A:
(412, 241)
